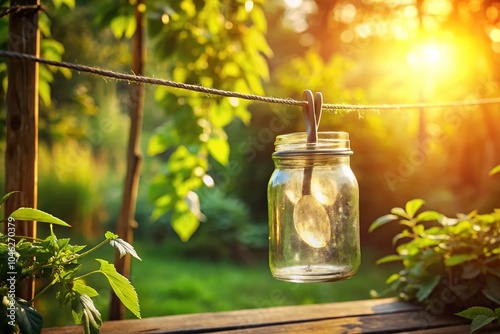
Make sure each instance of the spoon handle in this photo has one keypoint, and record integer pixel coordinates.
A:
(311, 113)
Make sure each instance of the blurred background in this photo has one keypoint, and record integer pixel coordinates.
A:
(219, 149)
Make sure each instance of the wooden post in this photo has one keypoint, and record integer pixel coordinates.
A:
(126, 219)
(22, 119)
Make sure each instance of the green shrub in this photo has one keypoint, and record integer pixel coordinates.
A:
(228, 231)
(449, 263)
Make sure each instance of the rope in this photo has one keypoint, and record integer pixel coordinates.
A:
(213, 91)
(4, 11)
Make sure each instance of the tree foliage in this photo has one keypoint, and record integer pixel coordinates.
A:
(213, 43)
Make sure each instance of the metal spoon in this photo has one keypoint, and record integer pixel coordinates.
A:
(310, 217)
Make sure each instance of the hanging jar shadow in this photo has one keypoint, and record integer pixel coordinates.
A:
(313, 203)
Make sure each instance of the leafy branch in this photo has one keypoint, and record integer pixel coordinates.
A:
(57, 260)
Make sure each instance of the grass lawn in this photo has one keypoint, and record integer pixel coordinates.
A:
(167, 284)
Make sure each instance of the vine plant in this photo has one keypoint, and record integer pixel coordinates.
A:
(56, 261)
(441, 255)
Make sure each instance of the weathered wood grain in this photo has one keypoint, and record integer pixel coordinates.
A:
(237, 321)
(22, 121)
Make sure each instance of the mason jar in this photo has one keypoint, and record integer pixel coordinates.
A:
(313, 203)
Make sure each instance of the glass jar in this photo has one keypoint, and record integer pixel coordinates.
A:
(313, 203)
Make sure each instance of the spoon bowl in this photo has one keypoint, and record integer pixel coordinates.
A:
(311, 222)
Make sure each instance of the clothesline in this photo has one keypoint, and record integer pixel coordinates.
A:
(226, 93)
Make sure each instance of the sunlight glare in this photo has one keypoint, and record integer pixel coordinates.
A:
(495, 35)
(293, 3)
(428, 55)
(431, 55)
(248, 6)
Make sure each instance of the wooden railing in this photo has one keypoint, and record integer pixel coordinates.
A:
(365, 316)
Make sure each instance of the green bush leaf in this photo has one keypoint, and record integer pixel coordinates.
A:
(390, 258)
(185, 223)
(427, 287)
(479, 322)
(382, 221)
(474, 311)
(458, 259)
(494, 270)
(403, 234)
(400, 212)
(219, 150)
(413, 206)
(493, 283)
(27, 317)
(392, 278)
(471, 270)
(445, 221)
(492, 291)
(37, 215)
(428, 216)
(121, 287)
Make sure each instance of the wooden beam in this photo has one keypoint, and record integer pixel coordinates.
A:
(22, 119)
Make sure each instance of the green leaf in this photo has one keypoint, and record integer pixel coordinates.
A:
(392, 278)
(158, 143)
(493, 290)
(382, 221)
(123, 25)
(85, 312)
(124, 247)
(413, 206)
(83, 289)
(219, 150)
(427, 286)
(390, 258)
(400, 212)
(110, 235)
(403, 234)
(474, 311)
(479, 322)
(471, 270)
(458, 259)
(27, 317)
(37, 215)
(121, 287)
(495, 170)
(221, 114)
(491, 295)
(44, 92)
(445, 221)
(6, 197)
(494, 270)
(428, 216)
(185, 223)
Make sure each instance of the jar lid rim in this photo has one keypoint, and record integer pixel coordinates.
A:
(328, 143)
(338, 135)
(313, 152)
